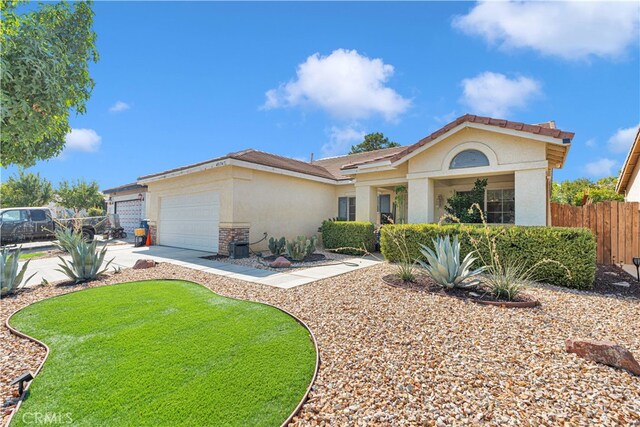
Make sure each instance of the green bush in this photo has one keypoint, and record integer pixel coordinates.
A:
(352, 235)
(573, 248)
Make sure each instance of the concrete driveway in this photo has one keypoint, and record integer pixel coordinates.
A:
(123, 256)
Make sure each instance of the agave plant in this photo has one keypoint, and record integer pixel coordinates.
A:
(67, 238)
(444, 266)
(85, 262)
(10, 275)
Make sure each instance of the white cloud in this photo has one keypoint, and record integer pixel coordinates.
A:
(620, 142)
(495, 94)
(599, 168)
(119, 107)
(591, 143)
(83, 140)
(345, 84)
(567, 29)
(341, 140)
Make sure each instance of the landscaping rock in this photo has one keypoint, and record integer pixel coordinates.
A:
(280, 262)
(144, 263)
(605, 352)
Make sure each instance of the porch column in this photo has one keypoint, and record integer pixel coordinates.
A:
(421, 200)
(531, 197)
(366, 203)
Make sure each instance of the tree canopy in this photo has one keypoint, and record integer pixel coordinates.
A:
(585, 190)
(373, 141)
(79, 194)
(45, 59)
(26, 189)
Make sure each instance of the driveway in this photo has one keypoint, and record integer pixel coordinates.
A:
(123, 256)
(126, 256)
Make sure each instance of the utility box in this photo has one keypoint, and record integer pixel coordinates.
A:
(238, 250)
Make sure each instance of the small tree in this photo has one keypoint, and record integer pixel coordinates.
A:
(79, 195)
(459, 205)
(26, 189)
(373, 141)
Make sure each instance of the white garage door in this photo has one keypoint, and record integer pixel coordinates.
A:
(129, 213)
(190, 221)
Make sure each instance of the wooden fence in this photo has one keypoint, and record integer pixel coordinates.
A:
(615, 224)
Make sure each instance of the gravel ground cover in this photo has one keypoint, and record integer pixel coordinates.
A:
(263, 264)
(398, 357)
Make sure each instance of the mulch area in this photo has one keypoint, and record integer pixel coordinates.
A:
(608, 275)
(392, 356)
(424, 283)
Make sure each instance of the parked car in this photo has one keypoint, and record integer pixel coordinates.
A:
(25, 224)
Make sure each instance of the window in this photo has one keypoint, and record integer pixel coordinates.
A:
(38, 215)
(469, 159)
(347, 208)
(384, 203)
(14, 216)
(500, 206)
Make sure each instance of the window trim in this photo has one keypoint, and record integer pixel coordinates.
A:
(469, 150)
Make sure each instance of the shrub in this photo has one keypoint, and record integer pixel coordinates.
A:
(405, 267)
(574, 248)
(301, 247)
(10, 275)
(348, 237)
(85, 263)
(277, 247)
(95, 211)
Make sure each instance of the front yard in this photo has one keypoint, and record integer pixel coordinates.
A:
(395, 356)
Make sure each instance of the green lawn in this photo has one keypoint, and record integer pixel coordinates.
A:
(31, 255)
(165, 353)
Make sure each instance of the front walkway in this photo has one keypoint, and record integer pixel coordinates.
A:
(125, 256)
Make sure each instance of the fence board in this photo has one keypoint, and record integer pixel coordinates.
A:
(616, 226)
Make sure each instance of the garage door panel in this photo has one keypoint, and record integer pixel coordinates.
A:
(190, 221)
(129, 214)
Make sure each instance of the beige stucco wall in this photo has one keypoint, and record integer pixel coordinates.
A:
(282, 205)
(633, 187)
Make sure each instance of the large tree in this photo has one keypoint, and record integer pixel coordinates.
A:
(45, 60)
(373, 141)
(26, 189)
(582, 190)
(79, 194)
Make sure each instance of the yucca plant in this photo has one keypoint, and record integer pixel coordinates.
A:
(405, 267)
(444, 266)
(85, 263)
(10, 275)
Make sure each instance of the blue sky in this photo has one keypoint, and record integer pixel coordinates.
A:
(179, 83)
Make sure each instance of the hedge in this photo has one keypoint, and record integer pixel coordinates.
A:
(348, 234)
(574, 248)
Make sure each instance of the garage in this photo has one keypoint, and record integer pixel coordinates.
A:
(129, 214)
(190, 221)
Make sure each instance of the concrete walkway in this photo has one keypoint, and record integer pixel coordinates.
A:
(631, 269)
(126, 256)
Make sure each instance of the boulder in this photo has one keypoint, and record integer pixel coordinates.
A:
(605, 352)
(280, 262)
(144, 263)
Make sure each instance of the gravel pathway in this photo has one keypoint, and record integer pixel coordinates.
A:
(396, 357)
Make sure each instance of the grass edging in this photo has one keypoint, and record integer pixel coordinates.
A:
(40, 343)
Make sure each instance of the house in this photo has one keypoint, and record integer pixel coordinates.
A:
(629, 181)
(128, 201)
(245, 194)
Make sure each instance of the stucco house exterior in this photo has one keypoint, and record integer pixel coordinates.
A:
(245, 194)
(629, 181)
(128, 201)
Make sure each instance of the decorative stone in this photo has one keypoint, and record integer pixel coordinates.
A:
(144, 263)
(280, 262)
(605, 352)
(622, 284)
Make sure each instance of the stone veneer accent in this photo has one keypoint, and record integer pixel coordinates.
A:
(230, 234)
(153, 230)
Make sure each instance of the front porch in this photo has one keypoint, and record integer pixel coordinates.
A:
(516, 197)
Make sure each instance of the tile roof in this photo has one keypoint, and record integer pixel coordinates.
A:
(331, 167)
(543, 129)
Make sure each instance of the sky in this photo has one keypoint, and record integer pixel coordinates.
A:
(182, 82)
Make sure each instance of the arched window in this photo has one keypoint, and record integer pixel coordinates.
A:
(469, 159)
